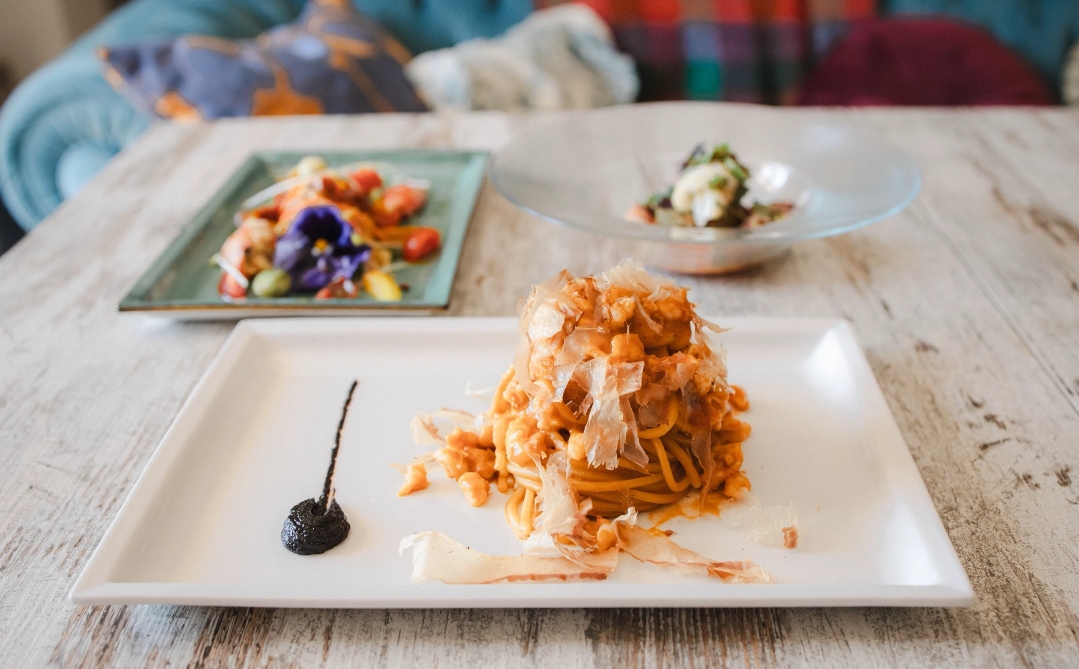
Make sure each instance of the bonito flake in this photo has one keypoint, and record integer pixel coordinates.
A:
(605, 367)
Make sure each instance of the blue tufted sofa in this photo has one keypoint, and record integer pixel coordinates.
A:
(64, 122)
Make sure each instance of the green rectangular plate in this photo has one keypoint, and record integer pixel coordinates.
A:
(182, 282)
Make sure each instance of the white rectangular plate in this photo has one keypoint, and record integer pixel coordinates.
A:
(202, 524)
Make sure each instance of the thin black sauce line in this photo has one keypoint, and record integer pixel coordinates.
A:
(327, 490)
(315, 526)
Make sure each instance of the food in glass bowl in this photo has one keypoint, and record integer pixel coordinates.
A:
(327, 233)
(710, 192)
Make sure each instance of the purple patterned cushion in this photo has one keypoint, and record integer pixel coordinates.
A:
(332, 60)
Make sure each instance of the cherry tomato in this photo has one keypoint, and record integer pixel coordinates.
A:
(367, 179)
(339, 288)
(229, 287)
(421, 243)
(404, 199)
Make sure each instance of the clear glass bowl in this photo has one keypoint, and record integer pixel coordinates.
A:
(585, 169)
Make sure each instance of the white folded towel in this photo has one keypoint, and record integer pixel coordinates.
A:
(558, 58)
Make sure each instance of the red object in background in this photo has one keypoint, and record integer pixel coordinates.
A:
(659, 11)
(367, 179)
(922, 62)
(230, 287)
(421, 243)
(339, 288)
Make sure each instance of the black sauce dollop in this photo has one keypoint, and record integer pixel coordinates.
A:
(309, 531)
(316, 525)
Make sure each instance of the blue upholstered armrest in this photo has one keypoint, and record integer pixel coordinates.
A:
(63, 122)
(65, 107)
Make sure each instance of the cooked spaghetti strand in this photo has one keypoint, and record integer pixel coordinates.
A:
(615, 380)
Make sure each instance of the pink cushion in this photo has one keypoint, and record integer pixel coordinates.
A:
(922, 62)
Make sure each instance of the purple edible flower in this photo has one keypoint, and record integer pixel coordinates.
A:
(318, 248)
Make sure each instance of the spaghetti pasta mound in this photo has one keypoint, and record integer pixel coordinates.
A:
(615, 402)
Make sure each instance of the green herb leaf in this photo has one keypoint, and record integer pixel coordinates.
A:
(720, 152)
(736, 169)
(658, 198)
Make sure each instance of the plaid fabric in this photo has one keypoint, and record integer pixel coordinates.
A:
(739, 50)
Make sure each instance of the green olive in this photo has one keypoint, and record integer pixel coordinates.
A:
(271, 282)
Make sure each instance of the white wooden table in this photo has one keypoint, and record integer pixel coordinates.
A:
(967, 304)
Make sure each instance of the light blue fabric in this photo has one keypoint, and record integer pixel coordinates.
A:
(66, 106)
(78, 165)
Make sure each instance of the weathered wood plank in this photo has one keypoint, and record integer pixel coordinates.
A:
(85, 394)
(1037, 190)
